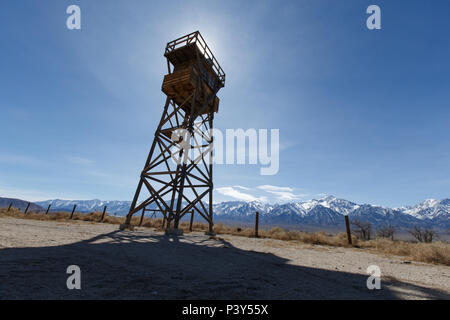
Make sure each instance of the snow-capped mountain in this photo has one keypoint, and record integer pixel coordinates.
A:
(114, 206)
(241, 209)
(327, 211)
(339, 205)
(429, 209)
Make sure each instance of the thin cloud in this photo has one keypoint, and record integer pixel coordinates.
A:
(241, 187)
(232, 192)
(270, 188)
(282, 193)
(80, 161)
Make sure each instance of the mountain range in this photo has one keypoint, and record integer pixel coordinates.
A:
(329, 211)
(324, 212)
(19, 204)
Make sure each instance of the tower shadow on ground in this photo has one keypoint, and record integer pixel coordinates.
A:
(149, 265)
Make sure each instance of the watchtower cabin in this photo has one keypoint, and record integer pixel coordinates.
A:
(194, 66)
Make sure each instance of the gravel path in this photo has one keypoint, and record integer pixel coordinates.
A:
(145, 264)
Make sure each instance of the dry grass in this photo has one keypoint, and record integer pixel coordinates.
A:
(436, 252)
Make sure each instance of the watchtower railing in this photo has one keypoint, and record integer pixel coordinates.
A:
(196, 37)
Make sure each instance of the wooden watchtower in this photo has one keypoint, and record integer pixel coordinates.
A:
(178, 174)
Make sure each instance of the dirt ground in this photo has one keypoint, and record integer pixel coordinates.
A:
(146, 264)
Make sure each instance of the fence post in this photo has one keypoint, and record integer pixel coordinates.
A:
(142, 217)
(256, 224)
(28, 206)
(48, 209)
(192, 221)
(103, 214)
(164, 220)
(347, 226)
(10, 205)
(71, 215)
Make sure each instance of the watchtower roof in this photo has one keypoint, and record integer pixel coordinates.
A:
(186, 48)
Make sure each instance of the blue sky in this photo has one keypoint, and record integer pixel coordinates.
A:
(363, 115)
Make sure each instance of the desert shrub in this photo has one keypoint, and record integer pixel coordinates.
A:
(385, 245)
(220, 228)
(275, 233)
(152, 223)
(386, 232)
(423, 234)
(363, 229)
(113, 220)
(436, 252)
